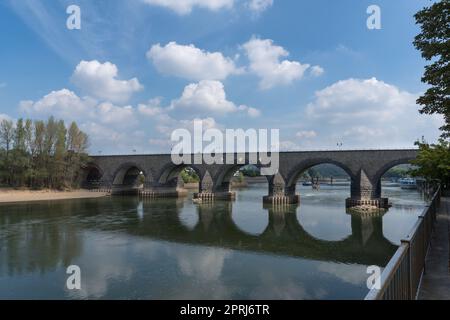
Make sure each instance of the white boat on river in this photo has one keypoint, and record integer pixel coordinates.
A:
(408, 183)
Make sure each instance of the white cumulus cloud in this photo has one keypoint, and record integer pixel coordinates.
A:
(362, 99)
(109, 113)
(265, 62)
(252, 112)
(5, 117)
(208, 96)
(189, 62)
(185, 7)
(259, 6)
(207, 123)
(152, 108)
(65, 104)
(369, 113)
(100, 80)
(317, 71)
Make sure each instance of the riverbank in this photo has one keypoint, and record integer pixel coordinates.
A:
(13, 196)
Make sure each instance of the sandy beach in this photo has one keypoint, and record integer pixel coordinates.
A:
(11, 195)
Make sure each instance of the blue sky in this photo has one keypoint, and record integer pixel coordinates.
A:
(139, 69)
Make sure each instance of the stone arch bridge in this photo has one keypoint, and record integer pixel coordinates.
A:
(364, 168)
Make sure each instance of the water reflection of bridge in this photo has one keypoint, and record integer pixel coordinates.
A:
(54, 236)
(284, 234)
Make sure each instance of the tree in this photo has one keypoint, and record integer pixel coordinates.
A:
(39, 171)
(77, 144)
(19, 167)
(189, 176)
(250, 171)
(49, 146)
(434, 43)
(6, 134)
(19, 136)
(314, 173)
(28, 131)
(433, 162)
(59, 157)
(36, 154)
(6, 142)
(39, 137)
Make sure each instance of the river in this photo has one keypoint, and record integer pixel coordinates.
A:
(174, 249)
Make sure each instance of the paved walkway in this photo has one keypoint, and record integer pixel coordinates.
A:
(436, 281)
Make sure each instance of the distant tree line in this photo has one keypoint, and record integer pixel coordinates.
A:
(400, 171)
(41, 154)
(323, 171)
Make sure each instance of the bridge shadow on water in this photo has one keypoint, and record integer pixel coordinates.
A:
(283, 235)
(159, 220)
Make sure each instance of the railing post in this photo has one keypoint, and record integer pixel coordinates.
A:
(408, 257)
(425, 235)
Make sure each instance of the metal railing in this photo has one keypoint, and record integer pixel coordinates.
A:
(400, 280)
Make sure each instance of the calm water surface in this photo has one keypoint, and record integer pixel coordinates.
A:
(174, 249)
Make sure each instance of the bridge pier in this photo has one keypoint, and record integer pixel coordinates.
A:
(211, 191)
(279, 193)
(173, 188)
(211, 196)
(162, 191)
(367, 204)
(159, 193)
(366, 194)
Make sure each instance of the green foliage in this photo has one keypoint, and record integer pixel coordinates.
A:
(41, 154)
(434, 43)
(433, 162)
(6, 135)
(401, 171)
(141, 179)
(325, 170)
(189, 176)
(250, 171)
(240, 177)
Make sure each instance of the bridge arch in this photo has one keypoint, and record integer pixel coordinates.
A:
(92, 175)
(127, 173)
(170, 172)
(385, 168)
(222, 179)
(295, 173)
